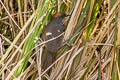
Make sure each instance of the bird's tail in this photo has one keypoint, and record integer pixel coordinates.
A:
(47, 59)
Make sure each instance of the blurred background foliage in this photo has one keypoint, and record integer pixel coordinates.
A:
(92, 31)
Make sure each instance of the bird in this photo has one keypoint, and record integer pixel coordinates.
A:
(53, 29)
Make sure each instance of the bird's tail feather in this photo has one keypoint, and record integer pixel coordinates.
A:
(47, 59)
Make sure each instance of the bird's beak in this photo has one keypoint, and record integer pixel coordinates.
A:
(68, 15)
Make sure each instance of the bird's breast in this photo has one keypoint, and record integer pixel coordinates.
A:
(53, 30)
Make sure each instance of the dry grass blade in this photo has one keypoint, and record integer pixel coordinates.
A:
(73, 20)
(10, 15)
(92, 33)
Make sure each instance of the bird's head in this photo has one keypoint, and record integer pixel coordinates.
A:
(60, 15)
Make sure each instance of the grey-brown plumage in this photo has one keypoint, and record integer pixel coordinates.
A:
(53, 29)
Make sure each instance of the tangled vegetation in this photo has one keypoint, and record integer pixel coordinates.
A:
(92, 31)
